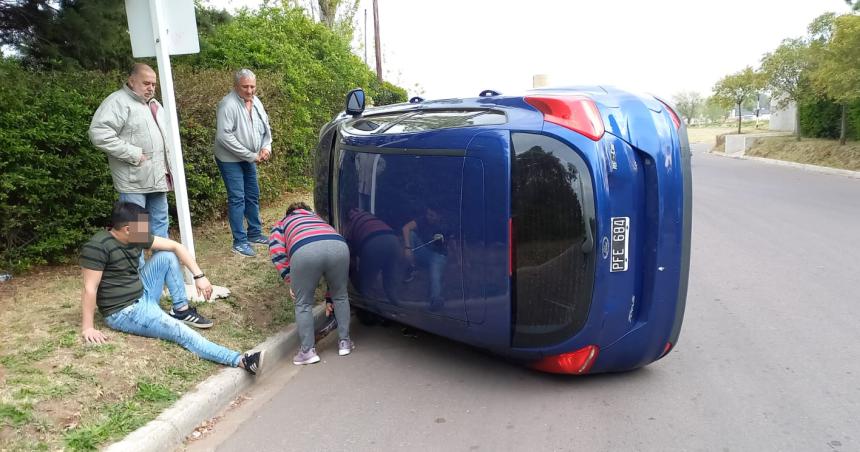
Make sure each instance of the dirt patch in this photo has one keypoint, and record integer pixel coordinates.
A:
(811, 151)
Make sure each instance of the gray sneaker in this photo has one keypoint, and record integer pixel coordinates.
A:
(344, 347)
(308, 357)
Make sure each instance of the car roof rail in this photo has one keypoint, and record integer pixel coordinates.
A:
(489, 93)
(416, 100)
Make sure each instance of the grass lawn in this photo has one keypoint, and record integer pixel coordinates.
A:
(56, 392)
(814, 151)
(708, 134)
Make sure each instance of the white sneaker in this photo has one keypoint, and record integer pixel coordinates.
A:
(308, 357)
(344, 347)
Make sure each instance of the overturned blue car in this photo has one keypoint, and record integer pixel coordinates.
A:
(551, 228)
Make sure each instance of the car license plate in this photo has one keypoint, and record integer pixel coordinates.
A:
(620, 234)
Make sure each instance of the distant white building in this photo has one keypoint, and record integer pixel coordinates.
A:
(783, 119)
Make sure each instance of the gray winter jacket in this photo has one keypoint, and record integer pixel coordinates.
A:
(124, 128)
(240, 136)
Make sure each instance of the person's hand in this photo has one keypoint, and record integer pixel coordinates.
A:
(329, 309)
(409, 255)
(265, 153)
(204, 287)
(292, 294)
(94, 336)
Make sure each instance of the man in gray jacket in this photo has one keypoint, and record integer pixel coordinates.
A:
(130, 127)
(243, 139)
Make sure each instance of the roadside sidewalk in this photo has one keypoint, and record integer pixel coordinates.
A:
(803, 166)
(170, 428)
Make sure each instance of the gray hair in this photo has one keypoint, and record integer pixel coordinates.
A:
(243, 73)
(137, 68)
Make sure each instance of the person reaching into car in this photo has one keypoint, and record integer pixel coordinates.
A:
(303, 249)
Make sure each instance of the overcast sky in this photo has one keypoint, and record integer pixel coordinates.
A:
(454, 48)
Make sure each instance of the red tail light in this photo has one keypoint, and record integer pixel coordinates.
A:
(675, 119)
(577, 113)
(666, 349)
(578, 362)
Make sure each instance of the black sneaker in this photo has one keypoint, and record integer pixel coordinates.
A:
(253, 363)
(192, 318)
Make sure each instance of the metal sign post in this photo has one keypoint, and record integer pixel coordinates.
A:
(168, 98)
(160, 28)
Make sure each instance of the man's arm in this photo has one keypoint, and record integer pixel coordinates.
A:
(225, 123)
(267, 138)
(92, 278)
(104, 134)
(204, 287)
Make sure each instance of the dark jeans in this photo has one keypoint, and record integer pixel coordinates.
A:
(243, 199)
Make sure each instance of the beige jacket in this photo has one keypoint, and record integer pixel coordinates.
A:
(124, 128)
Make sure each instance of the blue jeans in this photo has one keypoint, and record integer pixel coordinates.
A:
(243, 199)
(156, 204)
(434, 262)
(145, 317)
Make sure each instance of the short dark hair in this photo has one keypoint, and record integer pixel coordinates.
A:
(296, 206)
(125, 213)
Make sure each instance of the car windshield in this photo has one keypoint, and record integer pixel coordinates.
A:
(421, 121)
(445, 119)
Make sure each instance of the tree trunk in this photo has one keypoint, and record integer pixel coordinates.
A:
(739, 118)
(843, 125)
(797, 119)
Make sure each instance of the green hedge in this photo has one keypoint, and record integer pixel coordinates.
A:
(821, 119)
(56, 189)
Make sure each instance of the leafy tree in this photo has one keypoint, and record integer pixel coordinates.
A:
(837, 74)
(78, 34)
(688, 104)
(67, 34)
(785, 71)
(714, 111)
(337, 15)
(733, 90)
(854, 4)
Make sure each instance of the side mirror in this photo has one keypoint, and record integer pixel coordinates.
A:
(355, 102)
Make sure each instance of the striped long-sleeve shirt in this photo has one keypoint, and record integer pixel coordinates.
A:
(294, 231)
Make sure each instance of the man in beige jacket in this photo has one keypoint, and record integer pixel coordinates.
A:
(130, 127)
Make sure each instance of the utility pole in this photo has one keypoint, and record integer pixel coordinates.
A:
(376, 39)
(365, 35)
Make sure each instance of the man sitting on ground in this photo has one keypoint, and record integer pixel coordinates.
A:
(127, 296)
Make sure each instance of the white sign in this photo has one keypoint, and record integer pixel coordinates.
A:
(171, 29)
(180, 26)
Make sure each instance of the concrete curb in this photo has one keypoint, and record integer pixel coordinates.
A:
(169, 429)
(803, 166)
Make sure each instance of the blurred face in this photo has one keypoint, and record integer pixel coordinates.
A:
(138, 231)
(246, 88)
(143, 83)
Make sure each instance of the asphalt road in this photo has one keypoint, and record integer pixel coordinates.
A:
(768, 358)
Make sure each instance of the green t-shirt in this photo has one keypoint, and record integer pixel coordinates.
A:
(120, 285)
